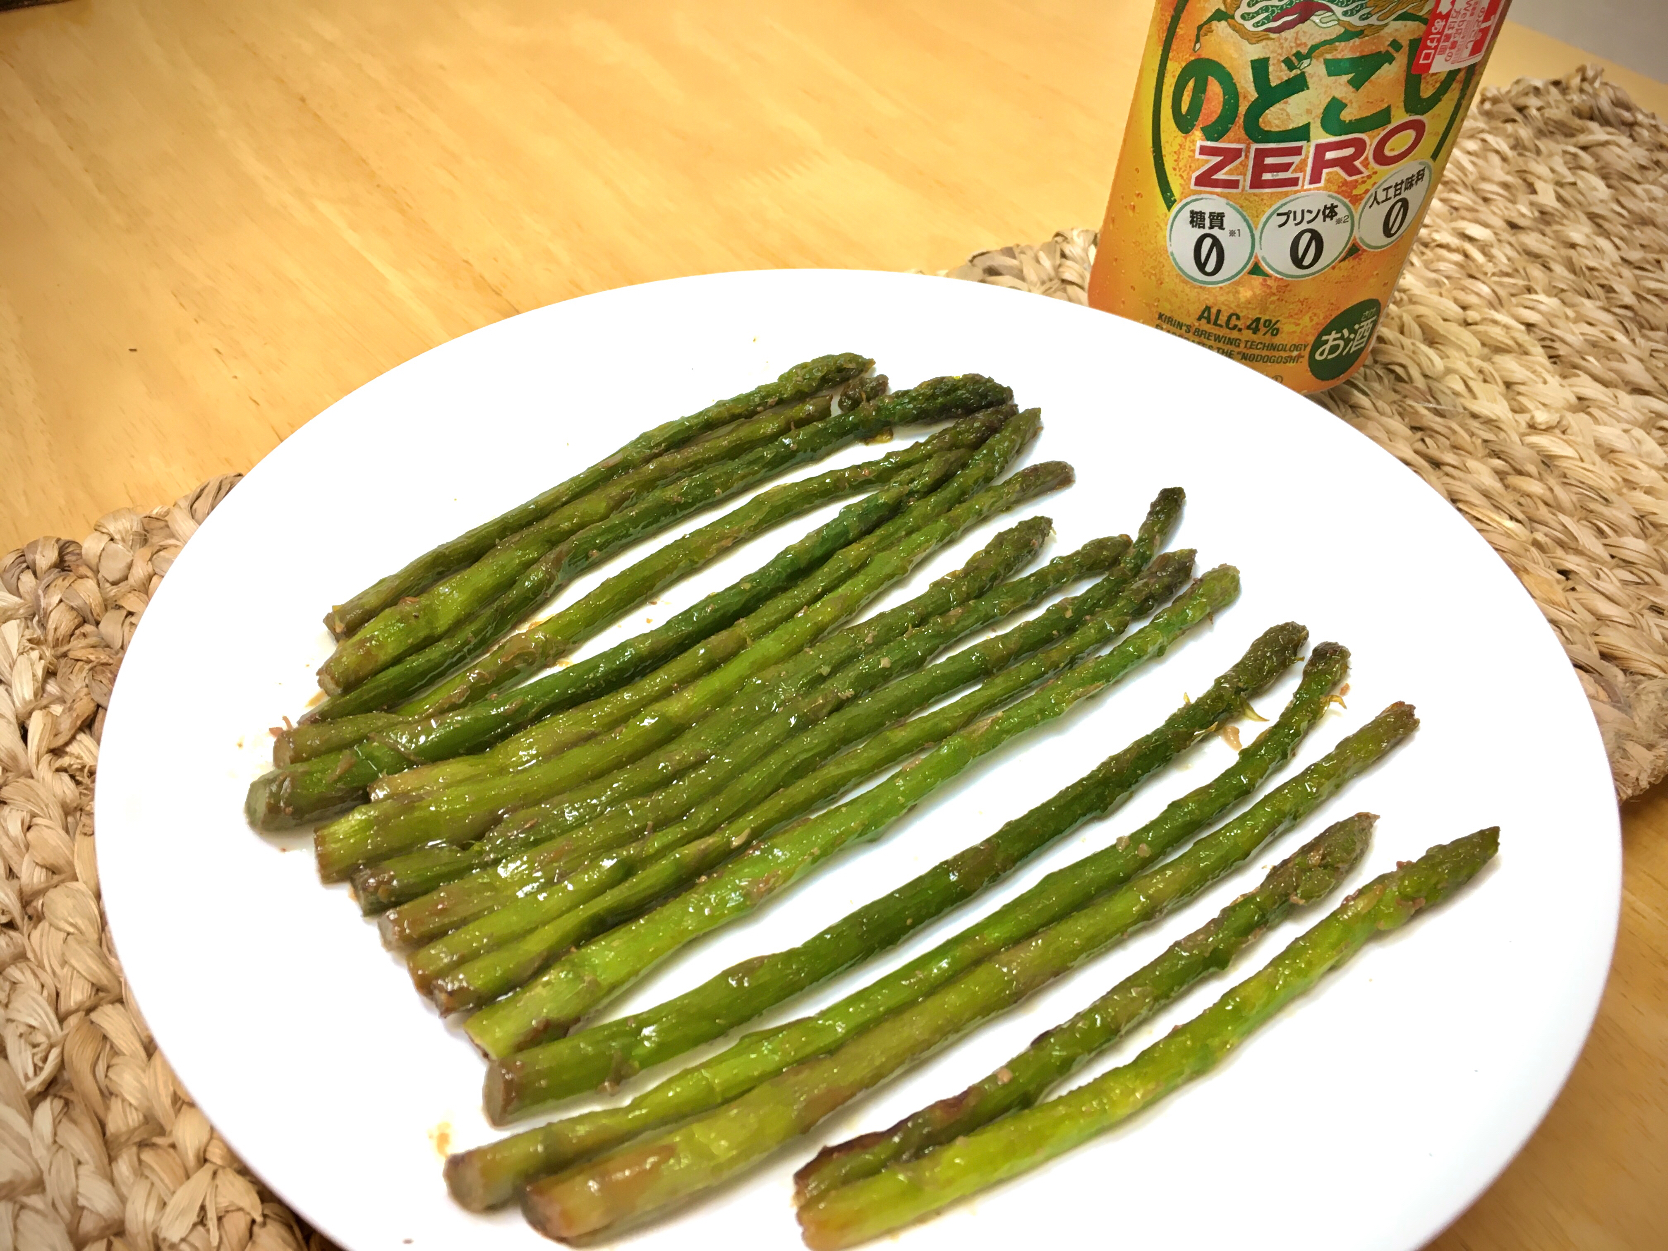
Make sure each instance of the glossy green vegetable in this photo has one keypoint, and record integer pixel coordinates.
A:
(798, 383)
(710, 467)
(1018, 1143)
(608, 1053)
(939, 399)
(418, 740)
(624, 805)
(581, 981)
(300, 793)
(1309, 874)
(377, 831)
(513, 943)
(595, 712)
(642, 1177)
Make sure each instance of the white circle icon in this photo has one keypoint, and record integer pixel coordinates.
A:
(1304, 233)
(1392, 204)
(1211, 240)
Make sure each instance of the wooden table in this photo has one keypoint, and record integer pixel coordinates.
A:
(217, 218)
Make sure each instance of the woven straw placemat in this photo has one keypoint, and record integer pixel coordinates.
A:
(1522, 370)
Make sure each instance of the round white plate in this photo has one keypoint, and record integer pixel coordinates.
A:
(1367, 1116)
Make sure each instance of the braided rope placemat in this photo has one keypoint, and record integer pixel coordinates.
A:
(1522, 370)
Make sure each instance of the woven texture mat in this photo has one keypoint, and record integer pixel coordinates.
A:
(1522, 370)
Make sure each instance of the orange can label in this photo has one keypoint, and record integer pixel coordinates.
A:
(1279, 158)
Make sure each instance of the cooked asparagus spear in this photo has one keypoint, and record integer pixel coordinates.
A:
(940, 399)
(1307, 875)
(433, 865)
(476, 726)
(405, 626)
(614, 1051)
(556, 734)
(788, 781)
(490, 1175)
(377, 831)
(552, 734)
(302, 793)
(1018, 1143)
(599, 819)
(794, 385)
(760, 697)
(642, 1177)
(532, 927)
(606, 1054)
(554, 1001)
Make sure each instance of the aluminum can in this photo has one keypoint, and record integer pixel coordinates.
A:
(1279, 158)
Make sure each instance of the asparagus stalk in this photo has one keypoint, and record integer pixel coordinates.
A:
(939, 399)
(555, 734)
(433, 865)
(907, 1192)
(377, 831)
(492, 1174)
(461, 812)
(809, 671)
(1307, 875)
(794, 385)
(532, 928)
(600, 819)
(385, 681)
(554, 1001)
(309, 740)
(477, 726)
(513, 865)
(409, 624)
(607, 1054)
(642, 1177)
(301, 793)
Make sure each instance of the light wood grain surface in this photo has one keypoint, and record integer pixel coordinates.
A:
(216, 219)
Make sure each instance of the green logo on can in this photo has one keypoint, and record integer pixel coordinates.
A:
(1343, 339)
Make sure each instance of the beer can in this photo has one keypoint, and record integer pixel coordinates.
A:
(1279, 158)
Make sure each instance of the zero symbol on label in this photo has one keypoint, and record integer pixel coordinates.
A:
(1209, 255)
(1307, 249)
(1396, 217)
(1210, 240)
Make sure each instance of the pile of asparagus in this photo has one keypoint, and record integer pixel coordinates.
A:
(536, 844)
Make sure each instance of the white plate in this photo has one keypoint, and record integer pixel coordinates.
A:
(1367, 1116)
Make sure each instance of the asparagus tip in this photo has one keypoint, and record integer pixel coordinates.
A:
(1452, 865)
(1324, 653)
(1400, 713)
